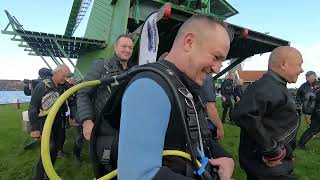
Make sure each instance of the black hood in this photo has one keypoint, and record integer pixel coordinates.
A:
(45, 73)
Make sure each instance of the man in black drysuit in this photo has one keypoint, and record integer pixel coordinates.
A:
(268, 118)
(37, 115)
(303, 94)
(315, 122)
(227, 91)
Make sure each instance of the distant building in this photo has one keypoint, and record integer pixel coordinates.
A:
(10, 85)
(249, 77)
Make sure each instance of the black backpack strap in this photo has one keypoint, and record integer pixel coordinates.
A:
(112, 112)
(198, 132)
(189, 107)
(193, 126)
(105, 134)
(192, 118)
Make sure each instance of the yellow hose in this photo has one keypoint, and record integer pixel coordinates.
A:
(164, 153)
(178, 153)
(45, 139)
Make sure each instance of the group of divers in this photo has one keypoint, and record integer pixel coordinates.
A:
(136, 116)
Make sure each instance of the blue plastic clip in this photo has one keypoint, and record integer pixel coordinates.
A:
(204, 161)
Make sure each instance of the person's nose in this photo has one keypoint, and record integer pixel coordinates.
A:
(128, 49)
(301, 70)
(216, 67)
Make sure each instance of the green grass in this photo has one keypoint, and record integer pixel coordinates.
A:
(307, 162)
(16, 163)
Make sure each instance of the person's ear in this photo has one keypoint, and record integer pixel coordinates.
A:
(188, 41)
(283, 64)
(114, 47)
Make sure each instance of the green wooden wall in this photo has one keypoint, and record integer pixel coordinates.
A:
(106, 22)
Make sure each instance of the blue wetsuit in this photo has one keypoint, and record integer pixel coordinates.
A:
(144, 121)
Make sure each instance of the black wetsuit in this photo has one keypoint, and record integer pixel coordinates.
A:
(37, 122)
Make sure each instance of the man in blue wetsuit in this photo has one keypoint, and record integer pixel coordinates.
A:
(149, 120)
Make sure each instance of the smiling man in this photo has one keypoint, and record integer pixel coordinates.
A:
(149, 119)
(90, 100)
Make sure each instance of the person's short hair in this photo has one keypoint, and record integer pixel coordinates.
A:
(309, 73)
(208, 19)
(129, 36)
(59, 68)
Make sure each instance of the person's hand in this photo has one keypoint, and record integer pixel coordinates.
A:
(220, 133)
(272, 163)
(35, 134)
(73, 123)
(225, 165)
(87, 129)
(224, 99)
(237, 98)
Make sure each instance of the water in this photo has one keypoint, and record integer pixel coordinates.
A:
(7, 97)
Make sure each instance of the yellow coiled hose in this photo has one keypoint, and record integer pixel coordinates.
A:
(45, 140)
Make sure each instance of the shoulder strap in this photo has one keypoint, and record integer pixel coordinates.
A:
(48, 83)
(197, 128)
(192, 116)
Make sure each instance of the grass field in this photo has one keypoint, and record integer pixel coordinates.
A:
(16, 163)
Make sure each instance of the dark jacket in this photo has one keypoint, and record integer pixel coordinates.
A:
(38, 92)
(306, 88)
(91, 100)
(227, 88)
(238, 91)
(317, 106)
(269, 121)
(208, 90)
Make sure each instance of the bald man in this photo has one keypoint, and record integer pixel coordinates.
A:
(43, 97)
(268, 119)
(149, 119)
